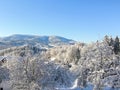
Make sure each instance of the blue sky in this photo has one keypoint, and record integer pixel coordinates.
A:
(82, 20)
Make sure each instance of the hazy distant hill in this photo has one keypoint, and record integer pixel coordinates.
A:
(40, 41)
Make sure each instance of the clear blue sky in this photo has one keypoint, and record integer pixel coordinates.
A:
(82, 20)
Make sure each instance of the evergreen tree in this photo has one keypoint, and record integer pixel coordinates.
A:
(111, 42)
(116, 45)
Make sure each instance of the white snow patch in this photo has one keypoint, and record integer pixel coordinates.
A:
(53, 59)
(5, 85)
(74, 87)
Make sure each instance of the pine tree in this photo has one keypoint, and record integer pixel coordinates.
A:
(116, 45)
(111, 42)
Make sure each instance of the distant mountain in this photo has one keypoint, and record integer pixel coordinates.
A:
(40, 41)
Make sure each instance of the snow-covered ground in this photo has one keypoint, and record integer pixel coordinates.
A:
(5, 85)
(75, 87)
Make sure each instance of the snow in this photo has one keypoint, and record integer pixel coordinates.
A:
(5, 85)
(97, 65)
(89, 87)
(75, 84)
(53, 59)
(2, 57)
(74, 87)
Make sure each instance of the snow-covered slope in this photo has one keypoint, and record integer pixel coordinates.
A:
(93, 66)
(41, 41)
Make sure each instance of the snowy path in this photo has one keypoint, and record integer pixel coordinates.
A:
(75, 87)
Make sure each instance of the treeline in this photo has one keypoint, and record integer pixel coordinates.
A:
(115, 43)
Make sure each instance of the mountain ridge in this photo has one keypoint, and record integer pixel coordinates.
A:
(34, 40)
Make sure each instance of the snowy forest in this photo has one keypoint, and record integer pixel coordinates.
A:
(61, 65)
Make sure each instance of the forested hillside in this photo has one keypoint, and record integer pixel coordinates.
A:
(63, 66)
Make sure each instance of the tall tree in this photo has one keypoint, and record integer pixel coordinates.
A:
(116, 45)
(111, 42)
